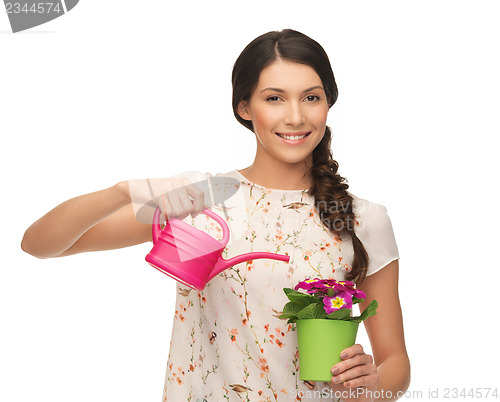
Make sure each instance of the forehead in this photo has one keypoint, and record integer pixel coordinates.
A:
(288, 75)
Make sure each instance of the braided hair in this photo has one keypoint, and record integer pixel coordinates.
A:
(333, 203)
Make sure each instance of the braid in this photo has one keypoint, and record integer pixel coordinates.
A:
(329, 189)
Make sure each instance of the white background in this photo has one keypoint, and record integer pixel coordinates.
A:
(119, 90)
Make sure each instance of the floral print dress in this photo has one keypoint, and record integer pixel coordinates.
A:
(227, 343)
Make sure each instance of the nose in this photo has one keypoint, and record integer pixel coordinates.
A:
(294, 114)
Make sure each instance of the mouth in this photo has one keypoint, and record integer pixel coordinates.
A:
(294, 136)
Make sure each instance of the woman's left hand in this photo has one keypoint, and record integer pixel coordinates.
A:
(356, 370)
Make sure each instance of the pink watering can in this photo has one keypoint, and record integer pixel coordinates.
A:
(193, 257)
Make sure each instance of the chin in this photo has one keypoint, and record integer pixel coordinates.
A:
(293, 160)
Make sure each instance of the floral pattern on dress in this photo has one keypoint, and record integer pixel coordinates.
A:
(227, 342)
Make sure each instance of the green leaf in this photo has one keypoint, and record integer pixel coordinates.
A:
(340, 314)
(306, 312)
(319, 311)
(300, 298)
(287, 316)
(355, 300)
(311, 311)
(292, 308)
(370, 311)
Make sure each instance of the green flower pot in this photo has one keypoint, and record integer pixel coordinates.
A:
(320, 343)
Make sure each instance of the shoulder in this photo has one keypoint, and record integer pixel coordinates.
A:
(373, 228)
(369, 215)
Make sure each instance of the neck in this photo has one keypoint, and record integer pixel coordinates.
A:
(280, 175)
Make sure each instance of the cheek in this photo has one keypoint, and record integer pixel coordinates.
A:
(266, 117)
(318, 116)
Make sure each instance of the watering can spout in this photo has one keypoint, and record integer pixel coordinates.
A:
(223, 264)
(203, 253)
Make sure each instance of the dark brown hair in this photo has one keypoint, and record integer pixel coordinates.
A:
(329, 189)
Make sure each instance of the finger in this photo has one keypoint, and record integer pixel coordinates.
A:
(354, 372)
(165, 207)
(198, 198)
(161, 198)
(187, 204)
(351, 351)
(179, 197)
(310, 384)
(175, 204)
(352, 362)
(368, 381)
(180, 203)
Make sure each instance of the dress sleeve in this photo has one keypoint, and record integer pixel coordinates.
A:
(374, 230)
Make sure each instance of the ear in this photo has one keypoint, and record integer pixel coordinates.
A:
(243, 110)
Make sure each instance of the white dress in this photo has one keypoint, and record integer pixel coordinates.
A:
(227, 343)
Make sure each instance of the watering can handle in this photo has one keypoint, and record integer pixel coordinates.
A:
(206, 211)
(221, 222)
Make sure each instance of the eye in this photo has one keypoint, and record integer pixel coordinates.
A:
(312, 96)
(273, 97)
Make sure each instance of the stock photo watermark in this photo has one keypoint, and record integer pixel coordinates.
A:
(26, 14)
(221, 193)
(427, 394)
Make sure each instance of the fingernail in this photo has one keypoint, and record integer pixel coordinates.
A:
(335, 370)
(343, 355)
(335, 380)
(347, 383)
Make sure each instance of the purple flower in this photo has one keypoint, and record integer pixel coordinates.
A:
(359, 294)
(335, 297)
(348, 286)
(338, 301)
(316, 283)
(321, 288)
(307, 284)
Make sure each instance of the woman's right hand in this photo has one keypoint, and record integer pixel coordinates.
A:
(177, 197)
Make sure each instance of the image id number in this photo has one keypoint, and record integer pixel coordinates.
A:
(454, 393)
(39, 8)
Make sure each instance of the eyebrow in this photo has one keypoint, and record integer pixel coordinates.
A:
(283, 91)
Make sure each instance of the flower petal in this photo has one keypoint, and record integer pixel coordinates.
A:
(340, 300)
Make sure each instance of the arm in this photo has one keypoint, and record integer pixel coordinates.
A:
(385, 330)
(101, 220)
(389, 369)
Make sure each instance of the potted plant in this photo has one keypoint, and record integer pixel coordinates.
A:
(324, 321)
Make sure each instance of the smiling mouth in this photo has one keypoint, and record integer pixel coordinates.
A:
(297, 136)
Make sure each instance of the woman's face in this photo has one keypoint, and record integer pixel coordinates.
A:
(289, 100)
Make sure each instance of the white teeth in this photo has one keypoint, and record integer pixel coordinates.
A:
(295, 137)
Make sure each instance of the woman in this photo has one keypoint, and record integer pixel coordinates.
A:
(227, 342)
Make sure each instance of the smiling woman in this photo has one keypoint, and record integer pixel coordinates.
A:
(227, 341)
(287, 107)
